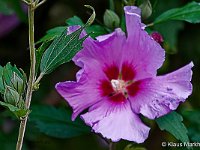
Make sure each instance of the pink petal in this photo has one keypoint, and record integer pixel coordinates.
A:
(116, 122)
(158, 96)
(102, 38)
(133, 20)
(72, 29)
(85, 91)
(140, 49)
(108, 51)
(81, 94)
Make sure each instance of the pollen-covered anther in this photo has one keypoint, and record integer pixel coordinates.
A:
(119, 86)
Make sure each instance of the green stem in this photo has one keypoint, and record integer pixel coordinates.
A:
(31, 76)
(32, 56)
(112, 5)
(22, 129)
(150, 24)
(37, 82)
(111, 146)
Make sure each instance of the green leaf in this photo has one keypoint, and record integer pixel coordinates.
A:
(11, 107)
(62, 50)
(39, 52)
(11, 69)
(173, 124)
(189, 13)
(193, 117)
(96, 30)
(1, 80)
(64, 47)
(170, 30)
(52, 34)
(57, 122)
(74, 21)
(57, 31)
(17, 111)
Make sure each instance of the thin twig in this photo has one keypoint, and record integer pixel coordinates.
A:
(37, 1)
(39, 4)
(26, 2)
(38, 79)
(149, 25)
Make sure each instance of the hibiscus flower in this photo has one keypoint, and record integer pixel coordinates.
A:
(118, 81)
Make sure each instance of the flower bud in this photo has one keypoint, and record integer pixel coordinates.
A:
(17, 83)
(111, 19)
(21, 104)
(146, 9)
(157, 37)
(11, 96)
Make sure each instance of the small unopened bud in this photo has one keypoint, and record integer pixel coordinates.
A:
(11, 96)
(111, 19)
(18, 83)
(157, 37)
(36, 86)
(21, 104)
(146, 9)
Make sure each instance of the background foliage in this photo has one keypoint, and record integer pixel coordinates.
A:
(49, 125)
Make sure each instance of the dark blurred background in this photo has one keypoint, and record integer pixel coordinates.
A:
(181, 42)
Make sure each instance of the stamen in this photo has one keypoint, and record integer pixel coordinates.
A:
(115, 83)
(118, 85)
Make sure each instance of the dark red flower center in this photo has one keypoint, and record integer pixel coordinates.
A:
(119, 83)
